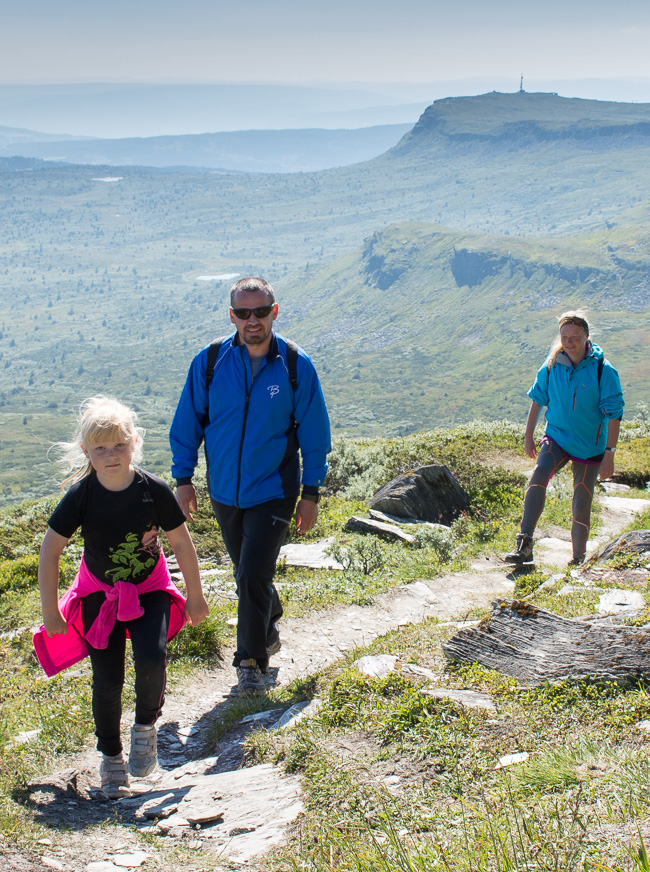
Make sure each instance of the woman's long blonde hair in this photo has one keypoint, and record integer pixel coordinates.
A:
(100, 419)
(573, 316)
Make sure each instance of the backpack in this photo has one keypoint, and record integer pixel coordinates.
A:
(213, 354)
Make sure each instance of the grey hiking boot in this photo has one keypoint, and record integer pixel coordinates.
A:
(249, 677)
(577, 560)
(115, 778)
(273, 642)
(143, 757)
(523, 551)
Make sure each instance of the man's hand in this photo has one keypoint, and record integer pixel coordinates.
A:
(186, 497)
(196, 609)
(306, 515)
(607, 466)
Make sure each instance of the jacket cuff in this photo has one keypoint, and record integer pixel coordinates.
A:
(310, 492)
(182, 481)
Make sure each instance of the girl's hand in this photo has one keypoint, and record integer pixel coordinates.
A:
(55, 624)
(196, 609)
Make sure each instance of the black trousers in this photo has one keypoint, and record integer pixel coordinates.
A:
(253, 538)
(148, 635)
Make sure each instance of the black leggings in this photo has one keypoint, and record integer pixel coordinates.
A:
(148, 635)
(253, 538)
(552, 459)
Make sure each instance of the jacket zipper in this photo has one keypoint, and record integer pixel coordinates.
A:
(243, 429)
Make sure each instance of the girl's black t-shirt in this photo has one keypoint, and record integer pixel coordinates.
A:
(119, 528)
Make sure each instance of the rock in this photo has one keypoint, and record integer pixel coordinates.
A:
(378, 666)
(296, 713)
(511, 759)
(467, 698)
(535, 646)
(615, 601)
(102, 866)
(636, 541)
(312, 555)
(130, 861)
(428, 493)
(367, 525)
(201, 817)
(51, 863)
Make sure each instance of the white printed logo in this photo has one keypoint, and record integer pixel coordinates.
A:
(273, 390)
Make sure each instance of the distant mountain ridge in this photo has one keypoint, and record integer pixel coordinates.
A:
(265, 151)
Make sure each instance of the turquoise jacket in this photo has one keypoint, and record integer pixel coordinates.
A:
(578, 407)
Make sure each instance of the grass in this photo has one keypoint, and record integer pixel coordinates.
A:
(395, 779)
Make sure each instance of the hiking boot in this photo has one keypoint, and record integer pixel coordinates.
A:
(273, 643)
(249, 677)
(523, 552)
(577, 560)
(143, 757)
(115, 778)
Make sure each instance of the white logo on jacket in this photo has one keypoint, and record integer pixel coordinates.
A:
(273, 390)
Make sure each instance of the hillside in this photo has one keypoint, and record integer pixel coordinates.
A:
(262, 151)
(424, 326)
(103, 271)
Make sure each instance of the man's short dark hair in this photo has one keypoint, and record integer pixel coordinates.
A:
(253, 284)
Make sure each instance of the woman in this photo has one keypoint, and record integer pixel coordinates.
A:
(584, 401)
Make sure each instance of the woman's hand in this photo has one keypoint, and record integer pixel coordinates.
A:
(529, 446)
(607, 466)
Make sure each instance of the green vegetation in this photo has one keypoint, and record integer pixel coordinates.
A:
(395, 778)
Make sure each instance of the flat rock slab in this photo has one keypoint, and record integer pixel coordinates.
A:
(615, 601)
(311, 555)
(239, 814)
(380, 528)
(536, 646)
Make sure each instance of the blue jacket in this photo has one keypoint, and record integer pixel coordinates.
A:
(250, 444)
(578, 408)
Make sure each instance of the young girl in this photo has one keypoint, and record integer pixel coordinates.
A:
(123, 586)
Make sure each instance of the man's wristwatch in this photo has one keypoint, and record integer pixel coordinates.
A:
(611, 449)
(312, 497)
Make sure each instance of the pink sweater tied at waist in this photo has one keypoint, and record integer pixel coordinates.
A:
(122, 604)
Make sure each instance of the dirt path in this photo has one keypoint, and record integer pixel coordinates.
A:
(200, 800)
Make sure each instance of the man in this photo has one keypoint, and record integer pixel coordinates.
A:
(262, 406)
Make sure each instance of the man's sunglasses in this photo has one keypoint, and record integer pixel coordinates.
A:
(260, 312)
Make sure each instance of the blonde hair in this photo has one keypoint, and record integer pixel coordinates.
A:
(100, 419)
(573, 316)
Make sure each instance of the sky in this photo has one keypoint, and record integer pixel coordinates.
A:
(319, 41)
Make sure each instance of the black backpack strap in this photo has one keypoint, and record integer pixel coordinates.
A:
(292, 363)
(601, 364)
(213, 354)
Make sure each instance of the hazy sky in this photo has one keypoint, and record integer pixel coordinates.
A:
(305, 41)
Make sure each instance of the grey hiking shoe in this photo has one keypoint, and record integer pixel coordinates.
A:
(273, 642)
(143, 757)
(523, 551)
(115, 778)
(577, 560)
(249, 677)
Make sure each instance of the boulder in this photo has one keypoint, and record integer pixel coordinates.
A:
(428, 493)
(534, 646)
(637, 541)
